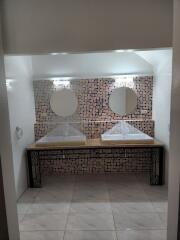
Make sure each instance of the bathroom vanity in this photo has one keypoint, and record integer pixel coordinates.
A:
(95, 126)
(92, 157)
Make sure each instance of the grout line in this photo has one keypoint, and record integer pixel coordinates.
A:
(106, 182)
(68, 213)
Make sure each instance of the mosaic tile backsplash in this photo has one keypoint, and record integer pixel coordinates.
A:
(93, 112)
(93, 161)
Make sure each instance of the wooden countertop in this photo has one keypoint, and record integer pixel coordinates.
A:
(93, 143)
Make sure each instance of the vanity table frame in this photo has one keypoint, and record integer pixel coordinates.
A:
(155, 150)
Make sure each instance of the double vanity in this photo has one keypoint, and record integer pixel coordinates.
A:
(75, 154)
(94, 156)
(121, 147)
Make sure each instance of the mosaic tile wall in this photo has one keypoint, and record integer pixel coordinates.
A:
(93, 117)
(91, 161)
(93, 112)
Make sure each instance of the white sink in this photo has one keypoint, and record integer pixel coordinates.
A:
(120, 137)
(124, 132)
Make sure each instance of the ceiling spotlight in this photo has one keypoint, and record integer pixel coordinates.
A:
(61, 53)
(120, 51)
(54, 54)
(130, 50)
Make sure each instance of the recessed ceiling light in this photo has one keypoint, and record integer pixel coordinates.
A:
(54, 54)
(120, 51)
(61, 53)
(130, 50)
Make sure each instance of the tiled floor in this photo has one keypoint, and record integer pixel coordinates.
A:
(112, 207)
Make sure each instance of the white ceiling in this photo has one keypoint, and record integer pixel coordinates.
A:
(156, 56)
(87, 65)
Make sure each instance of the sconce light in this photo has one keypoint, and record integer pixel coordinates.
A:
(61, 82)
(19, 133)
(9, 82)
(124, 81)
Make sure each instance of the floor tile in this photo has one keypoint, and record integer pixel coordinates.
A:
(49, 208)
(23, 208)
(35, 222)
(26, 200)
(58, 179)
(90, 222)
(160, 206)
(163, 216)
(20, 217)
(90, 186)
(132, 207)
(60, 183)
(143, 178)
(119, 177)
(86, 207)
(53, 196)
(89, 178)
(29, 194)
(42, 235)
(156, 192)
(137, 221)
(128, 195)
(90, 195)
(90, 207)
(53, 202)
(142, 235)
(90, 235)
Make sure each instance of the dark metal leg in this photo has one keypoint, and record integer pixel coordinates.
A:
(157, 166)
(161, 166)
(30, 177)
(34, 166)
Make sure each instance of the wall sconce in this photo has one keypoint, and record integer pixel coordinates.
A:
(61, 82)
(124, 81)
(9, 82)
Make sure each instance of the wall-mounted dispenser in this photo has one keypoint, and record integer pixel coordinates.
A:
(19, 133)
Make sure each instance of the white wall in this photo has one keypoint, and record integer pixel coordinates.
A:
(43, 26)
(89, 65)
(174, 163)
(161, 61)
(162, 102)
(22, 113)
(6, 157)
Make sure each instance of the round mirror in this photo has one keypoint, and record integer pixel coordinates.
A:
(123, 101)
(64, 102)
